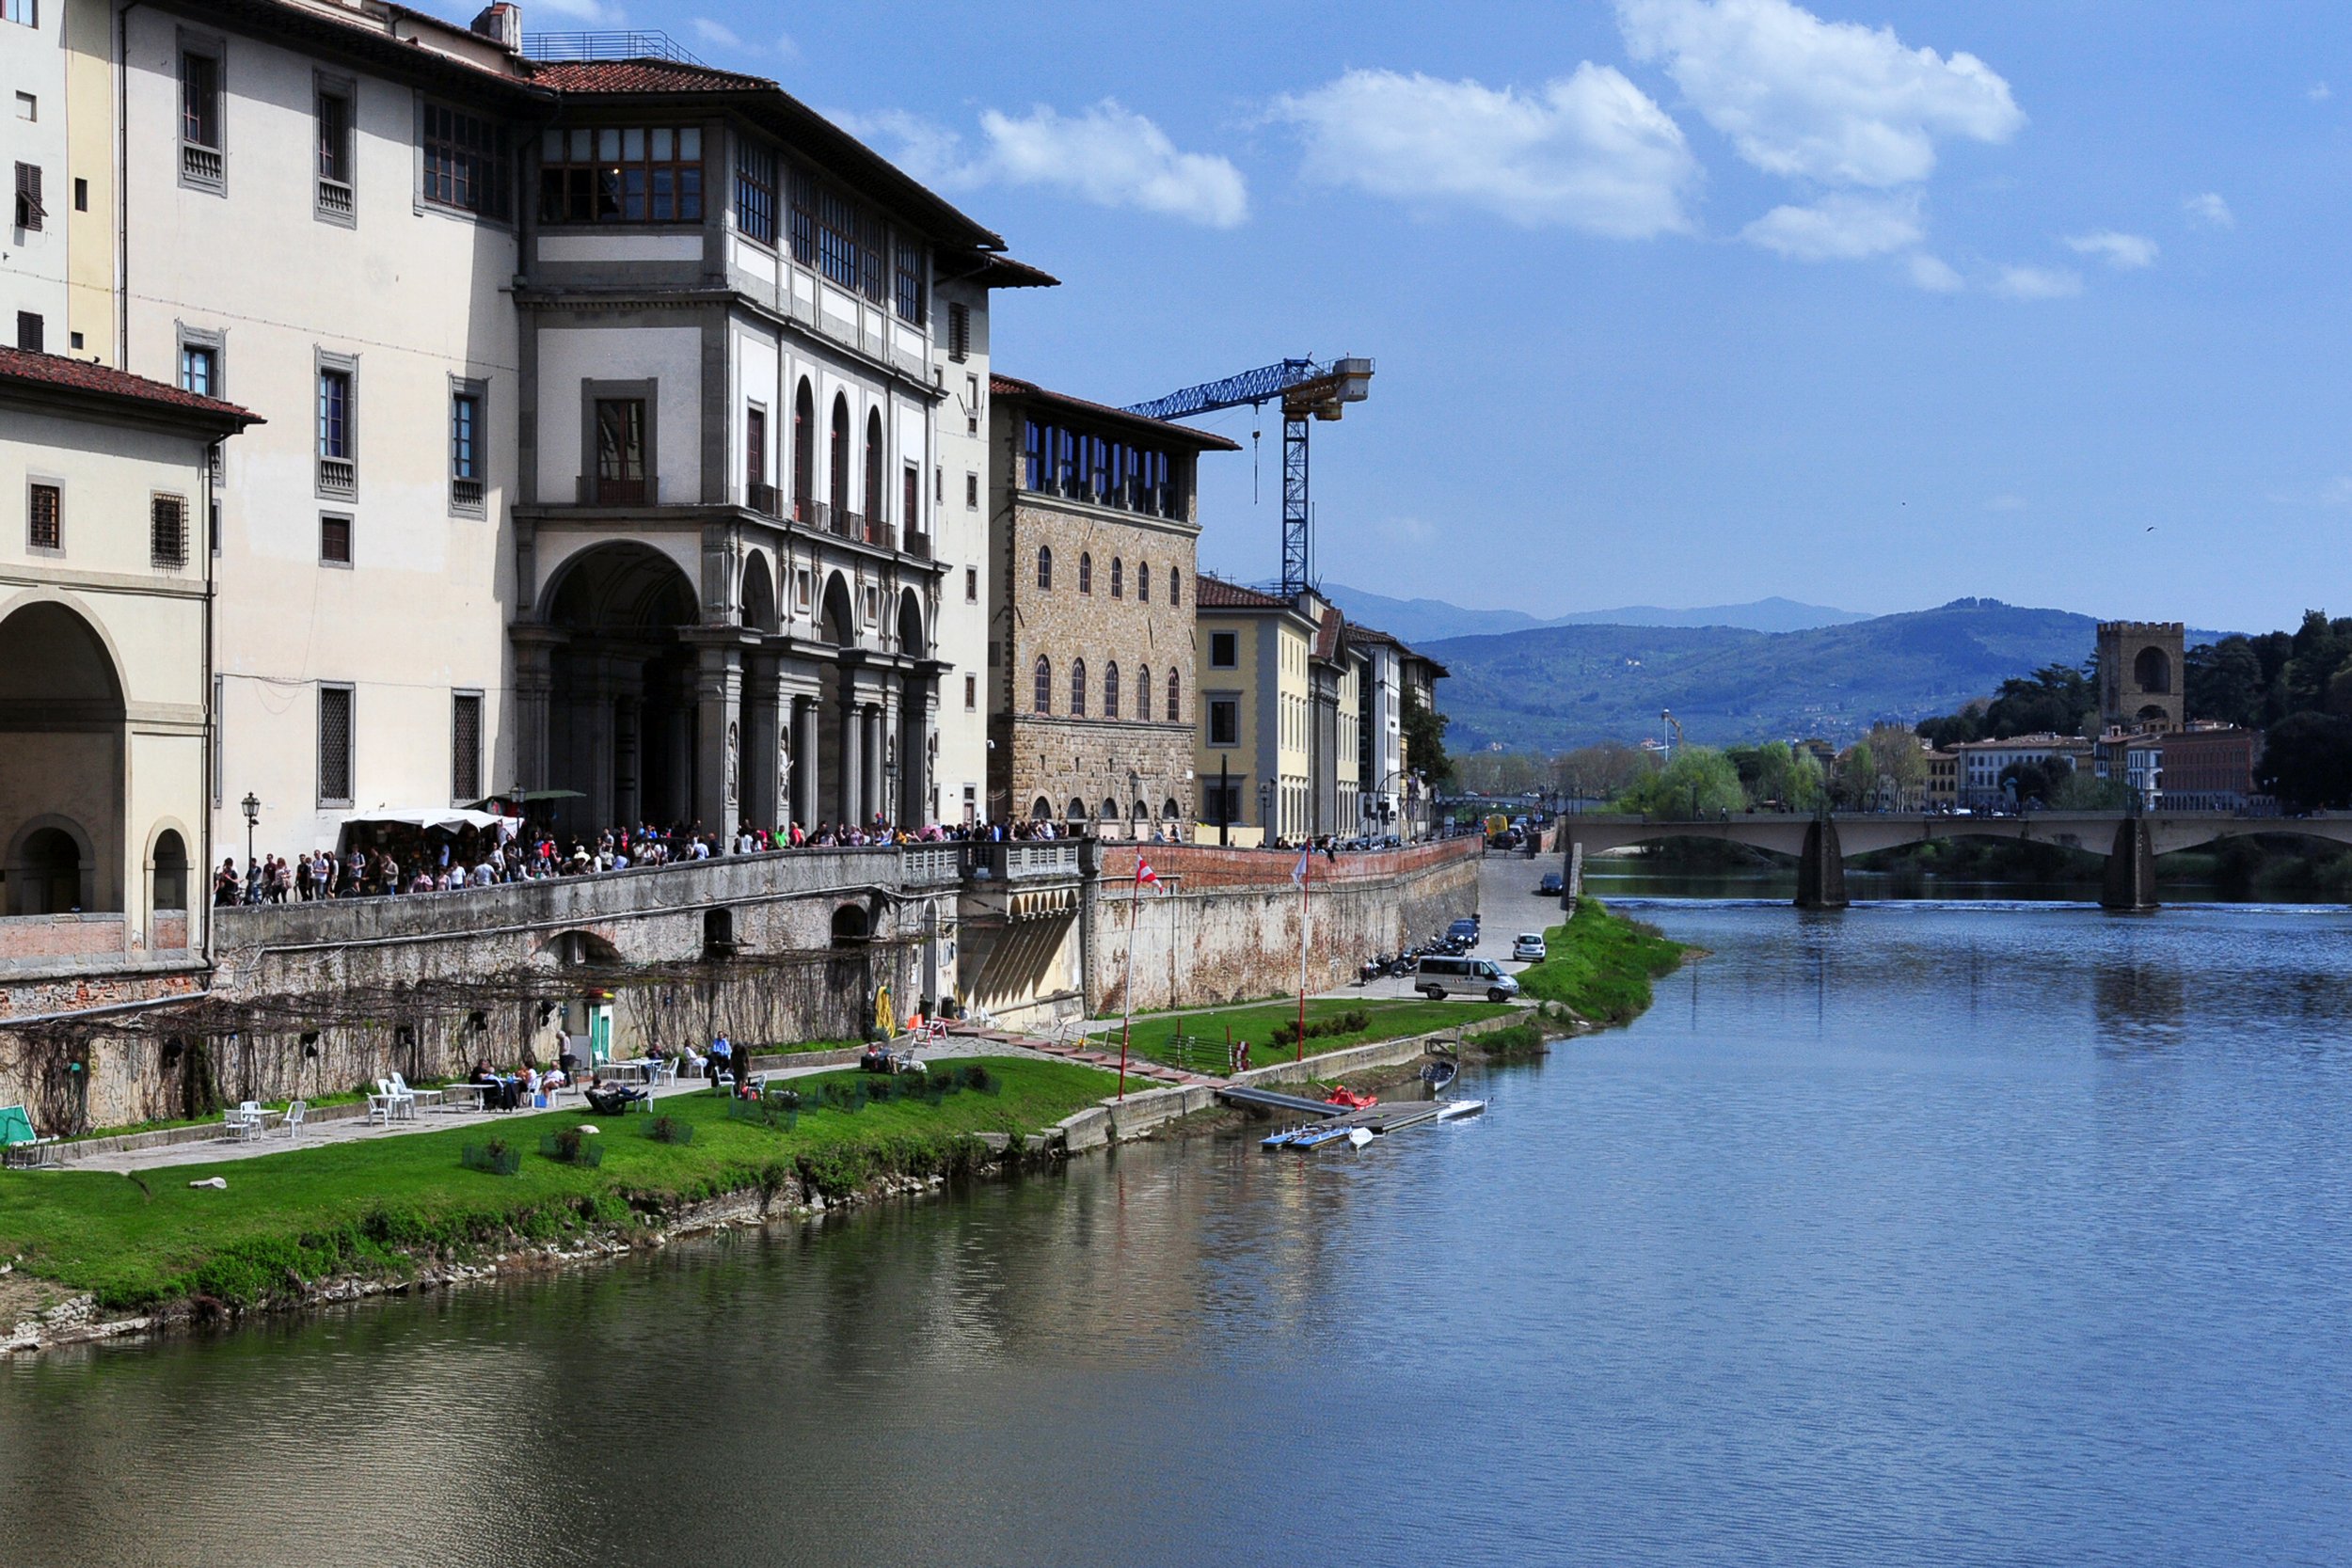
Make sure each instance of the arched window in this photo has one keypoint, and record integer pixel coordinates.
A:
(877, 498)
(839, 487)
(1045, 567)
(1118, 578)
(803, 454)
(1044, 685)
(1143, 583)
(1042, 809)
(1175, 586)
(1143, 685)
(1171, 697)
(1078, 687)
(1110, 689)
(1086, 572)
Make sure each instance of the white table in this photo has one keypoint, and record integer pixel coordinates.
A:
(449, 1100)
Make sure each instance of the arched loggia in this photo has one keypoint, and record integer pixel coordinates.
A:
(62, 796)
(621, 710)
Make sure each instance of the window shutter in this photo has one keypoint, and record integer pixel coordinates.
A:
(29, 212)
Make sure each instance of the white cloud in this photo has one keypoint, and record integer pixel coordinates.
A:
(2040, 283)
(2318, 92)
(2210, 209)
(1836, 102)
(582, 10)
(1108, 155)
(1840, 227)
(786, 47)
(1589, 150)
(717, 34)
(2124, 252)
(1935, 275)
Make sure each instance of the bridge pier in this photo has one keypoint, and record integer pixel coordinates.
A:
(2131, 876)
(1821, 868)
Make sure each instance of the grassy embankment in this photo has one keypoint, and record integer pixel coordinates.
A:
(1600, 965)
(1257, 1022)
(374, 1207)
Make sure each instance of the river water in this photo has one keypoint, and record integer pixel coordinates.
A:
(1991, 1234)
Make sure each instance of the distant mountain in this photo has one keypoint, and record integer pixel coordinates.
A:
(1419, 621)
(1552, 688)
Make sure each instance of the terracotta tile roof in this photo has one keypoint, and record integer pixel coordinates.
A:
(1007, 385)
(1210, 593)
(1328, 634)
(640, 76)
(22, 369)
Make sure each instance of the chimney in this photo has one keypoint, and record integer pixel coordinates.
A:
(503, 24)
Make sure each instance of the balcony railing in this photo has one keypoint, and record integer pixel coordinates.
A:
(596, 490)
(200, 163)
(877, 532)
(467, 494)
(850, 525)
(761, 499)
(810, 511)
(334, 197)
(339, 476)
(919, 546)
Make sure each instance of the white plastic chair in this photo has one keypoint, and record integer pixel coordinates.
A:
(241, 1124)
(415, 1096)
(380, 1105)
(296, 1110)
(403, 1104)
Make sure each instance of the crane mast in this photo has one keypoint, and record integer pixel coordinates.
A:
(1307, 389)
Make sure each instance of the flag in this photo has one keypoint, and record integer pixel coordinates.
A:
(1300, 875)
(1145, 876)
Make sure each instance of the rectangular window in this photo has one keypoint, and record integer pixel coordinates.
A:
(466, 163)
(220, 691)
(29, 212)
(971, 405)
(621, 450)
(31, 331)
(199, 370)
(836, 239)
(334, 540)
(338, 431)
(212, 527)
(335, 745)
(199, 119)
(971, 492)
(971, 585)
(45, 528)
(1224, 650)
(167, 532)
(465, 747)
(959, 333)
(755, 460)
(971, 694)
(804, 218)
(1224, 721)
(755, 191)
(621, 174)
(911, 503)
(25, 11)
(908, 292)
(469, 477)
(80, 195)
(334, 154)
(873, 244)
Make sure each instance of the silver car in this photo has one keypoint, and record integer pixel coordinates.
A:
(1528, 947)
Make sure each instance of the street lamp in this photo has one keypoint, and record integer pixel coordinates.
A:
(1265, 810)
(890, 791)
(252, 805)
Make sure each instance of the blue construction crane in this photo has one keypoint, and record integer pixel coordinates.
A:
(1306, 390)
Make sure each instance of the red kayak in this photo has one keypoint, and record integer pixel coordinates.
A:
(1343, 1096)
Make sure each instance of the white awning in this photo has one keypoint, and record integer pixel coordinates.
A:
(447, 819)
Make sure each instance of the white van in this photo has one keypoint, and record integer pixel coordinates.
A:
(1437, 976)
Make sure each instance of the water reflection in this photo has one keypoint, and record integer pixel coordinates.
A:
(1900, 1234)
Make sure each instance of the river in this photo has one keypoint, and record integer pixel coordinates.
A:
(1980, 1234)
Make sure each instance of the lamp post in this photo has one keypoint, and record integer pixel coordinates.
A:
(1265, 810)
(890, 791)
(252, 807)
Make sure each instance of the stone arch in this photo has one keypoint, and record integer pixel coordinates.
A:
(580, 947)
(760, 594)
(851, 925)
(2151, 714)
(52, 866)
(1077, 809)
(63, 709)
(1110, 811)
(621, 710)
(837, 618)
(169, 866)
(1041, 809)
(1140, 813)
(2151, 672)
(1168, 809)
(911, 638)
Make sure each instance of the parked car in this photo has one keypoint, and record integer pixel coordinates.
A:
(1439, 977)
(1464, 931)
(1528, 947)
(1552, 886)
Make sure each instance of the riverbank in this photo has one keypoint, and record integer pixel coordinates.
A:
(93, 1253)
(1598, 965)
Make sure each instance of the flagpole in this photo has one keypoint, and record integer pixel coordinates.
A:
(1127, 986)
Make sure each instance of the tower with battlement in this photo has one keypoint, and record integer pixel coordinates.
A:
(2140, 674)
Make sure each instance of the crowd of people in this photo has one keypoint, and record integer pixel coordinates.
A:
(404, 859)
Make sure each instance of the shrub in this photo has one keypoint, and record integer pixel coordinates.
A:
(670, 1130)
(497, 1158)
(572, 1147)
(1353, 1021)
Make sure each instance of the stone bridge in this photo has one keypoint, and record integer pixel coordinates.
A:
(1821, 844)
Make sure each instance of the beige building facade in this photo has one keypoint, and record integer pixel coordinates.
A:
(105, 623)
(1093, 695)
(1280, 746)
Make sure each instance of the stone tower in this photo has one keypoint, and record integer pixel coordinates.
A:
(2139, 674)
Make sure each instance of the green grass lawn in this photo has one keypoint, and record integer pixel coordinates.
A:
(1601, 964)
(1255, 1021)
(805, 1048)
(362, 1205)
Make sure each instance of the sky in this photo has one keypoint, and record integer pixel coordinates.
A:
(1868, 303)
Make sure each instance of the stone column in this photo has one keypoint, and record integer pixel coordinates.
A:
(1821, 868)
(719, 734)
(916, 718)
(535, 691)
(765, 733)
(870, 738)
(805, 762)
(852, 749)
(628, 752)
(592, 743)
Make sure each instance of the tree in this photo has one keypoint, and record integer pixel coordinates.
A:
(1950, 730)
(2081, 790)
(1700, 783)
(1424, 729)
(1895, 751)
(1604, 772)
(2053, 699)
(2223, 681)
(1857, 780)
(2037, 781)
(2306, 762)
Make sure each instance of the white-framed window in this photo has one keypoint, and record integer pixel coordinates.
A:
(203, 138)
(468, 449)
(335, 117)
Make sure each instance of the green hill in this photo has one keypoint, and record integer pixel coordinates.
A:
(1554, 687)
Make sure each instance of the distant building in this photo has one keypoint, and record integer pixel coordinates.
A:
(2139, 674)
(1982, 763)
(1091, 705)
(2209, 766)
(1943, 792)
(1392, 789)
(2137, 758)
(1280, 705)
